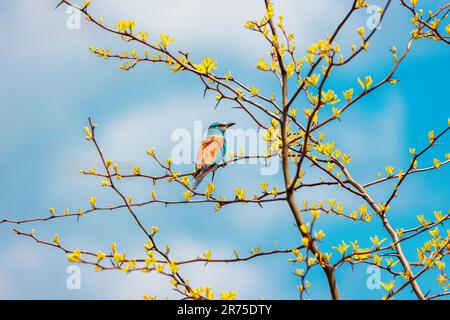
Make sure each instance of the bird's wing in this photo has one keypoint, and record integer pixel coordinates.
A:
(210, 152)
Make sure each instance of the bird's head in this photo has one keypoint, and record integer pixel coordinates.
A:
(221, 125)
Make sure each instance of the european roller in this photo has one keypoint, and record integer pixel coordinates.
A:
(212, 151)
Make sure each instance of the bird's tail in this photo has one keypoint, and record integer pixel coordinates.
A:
(199, 175)
(197, 181)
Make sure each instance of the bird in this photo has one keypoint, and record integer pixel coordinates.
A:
(212, 151)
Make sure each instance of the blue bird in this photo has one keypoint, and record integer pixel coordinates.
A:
(212, 151)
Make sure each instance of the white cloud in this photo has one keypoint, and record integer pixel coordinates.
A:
(7, 287)
(221, 28)
(220, 32)
(20, 259)
(127, 136)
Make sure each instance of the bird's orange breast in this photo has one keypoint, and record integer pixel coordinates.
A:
(208, 151)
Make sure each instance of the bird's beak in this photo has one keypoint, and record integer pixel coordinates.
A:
(230, 124)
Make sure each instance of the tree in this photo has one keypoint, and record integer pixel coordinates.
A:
(299, 140)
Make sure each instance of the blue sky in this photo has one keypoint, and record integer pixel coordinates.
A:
(51, 84)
